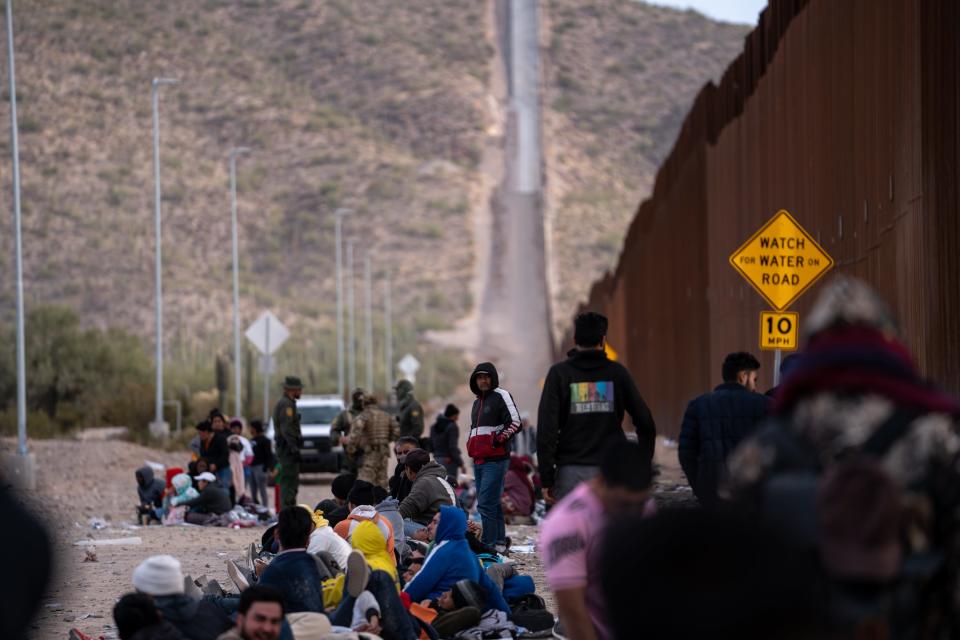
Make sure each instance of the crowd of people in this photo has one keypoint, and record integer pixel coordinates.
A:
(825, 507)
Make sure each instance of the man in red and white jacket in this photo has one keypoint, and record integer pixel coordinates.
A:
(494, 421)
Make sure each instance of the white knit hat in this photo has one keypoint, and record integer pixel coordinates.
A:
(158, 576)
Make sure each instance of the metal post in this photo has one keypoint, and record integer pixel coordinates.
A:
(18, 242)
(776, 367)
(237, 358)
(341, 384)
(368, 320)
(158, 267)
(267, 362)
(388, 331)
(351, 339)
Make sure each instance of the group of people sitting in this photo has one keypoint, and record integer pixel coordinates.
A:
(226, 470)
(347, 566)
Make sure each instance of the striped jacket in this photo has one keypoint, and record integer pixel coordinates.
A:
(494, 420)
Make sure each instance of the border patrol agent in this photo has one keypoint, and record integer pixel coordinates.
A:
(286, 424)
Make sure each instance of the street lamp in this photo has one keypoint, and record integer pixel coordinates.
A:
(236, 151)
(351, 340)
(368, 322)
(155, 89)
(388, 332)
(15, 151)
(339, 214)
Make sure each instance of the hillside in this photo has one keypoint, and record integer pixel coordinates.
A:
(371, 106)
(620, 76)
(379, 106)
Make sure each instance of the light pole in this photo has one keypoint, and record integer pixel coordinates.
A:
(236, 278)
(388, 331)
(155, 89)
(351, 340)
(338, 215)
(15, 151)
(368, 323)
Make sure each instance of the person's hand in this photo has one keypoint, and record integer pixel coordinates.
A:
(212, 468)
(373, 626)
(344, 440)
(548, 495)
(259, 565)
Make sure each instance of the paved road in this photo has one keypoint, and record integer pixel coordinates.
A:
(515, 314)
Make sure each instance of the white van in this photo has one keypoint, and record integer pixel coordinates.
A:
(317, 414)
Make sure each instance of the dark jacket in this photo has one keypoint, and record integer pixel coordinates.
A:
(494, 418)
(195, 619)
(713, 425)
(294, 573)
(262, 452)
(581, 411)
(410, 416)
(163, 630)
(430, 491)
(216, 451)
(445, 438)
(213, 499)
(149, 489)
(399, 483)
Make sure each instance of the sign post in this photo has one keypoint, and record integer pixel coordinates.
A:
(409, 366)
(780, 261)
(267, 334)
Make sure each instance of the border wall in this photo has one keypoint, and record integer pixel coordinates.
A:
(843, 112)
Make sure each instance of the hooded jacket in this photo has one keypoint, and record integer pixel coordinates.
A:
(149, 489)
(212, 499)
(368, 540)
(581, 411)
(494, 419)
(430, 491)
(411, 413)
(451, 561)
(444, 437)
(183, 486)
(363, 513)
(195, 619)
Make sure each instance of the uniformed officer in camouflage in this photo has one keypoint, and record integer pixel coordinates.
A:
(372, 432)
(286, 424)
(340, 428)
(411, 413)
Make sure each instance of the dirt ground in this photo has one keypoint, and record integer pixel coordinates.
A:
(81, 480)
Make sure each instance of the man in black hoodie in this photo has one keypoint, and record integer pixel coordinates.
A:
(494, 421)
(445, 440)
(581, 410)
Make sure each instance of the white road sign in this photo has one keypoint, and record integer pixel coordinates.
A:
(267, 333)
(409, 366)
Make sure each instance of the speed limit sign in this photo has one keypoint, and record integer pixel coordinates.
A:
(779, 330)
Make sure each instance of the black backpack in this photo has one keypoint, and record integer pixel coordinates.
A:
(530, 612)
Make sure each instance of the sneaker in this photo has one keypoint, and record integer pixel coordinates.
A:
(237, 576)
(358, 573)
(213, 588)
(251, 555)
(190, 588)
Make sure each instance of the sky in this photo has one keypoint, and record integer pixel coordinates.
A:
(740, 11)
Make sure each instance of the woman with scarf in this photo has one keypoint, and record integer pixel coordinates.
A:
(518, 494)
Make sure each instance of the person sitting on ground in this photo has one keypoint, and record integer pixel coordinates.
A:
(572, 534)
(361, 502)
(150, 493)
(460, 608)
(450, 561)
(324, 538)
(294, 572)
(399, 483)
(389, 508)
(429, 492)
(137, 618)
(445, 440)
(259, 616)
(340, 487)
(518, 493)
(211, 502)
(368, 540)
(162, 578)
(213, 449)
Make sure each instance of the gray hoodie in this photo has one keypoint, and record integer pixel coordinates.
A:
(429, 492)
(389, 509)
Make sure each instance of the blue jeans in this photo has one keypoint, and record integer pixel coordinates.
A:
(224, 477)
(490, 477)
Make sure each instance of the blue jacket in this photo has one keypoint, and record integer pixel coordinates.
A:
(452, 560)
(295, 575)
(713, 425)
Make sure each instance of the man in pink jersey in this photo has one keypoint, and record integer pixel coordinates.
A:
(572, 533)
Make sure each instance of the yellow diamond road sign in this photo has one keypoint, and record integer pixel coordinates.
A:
(781, 260)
